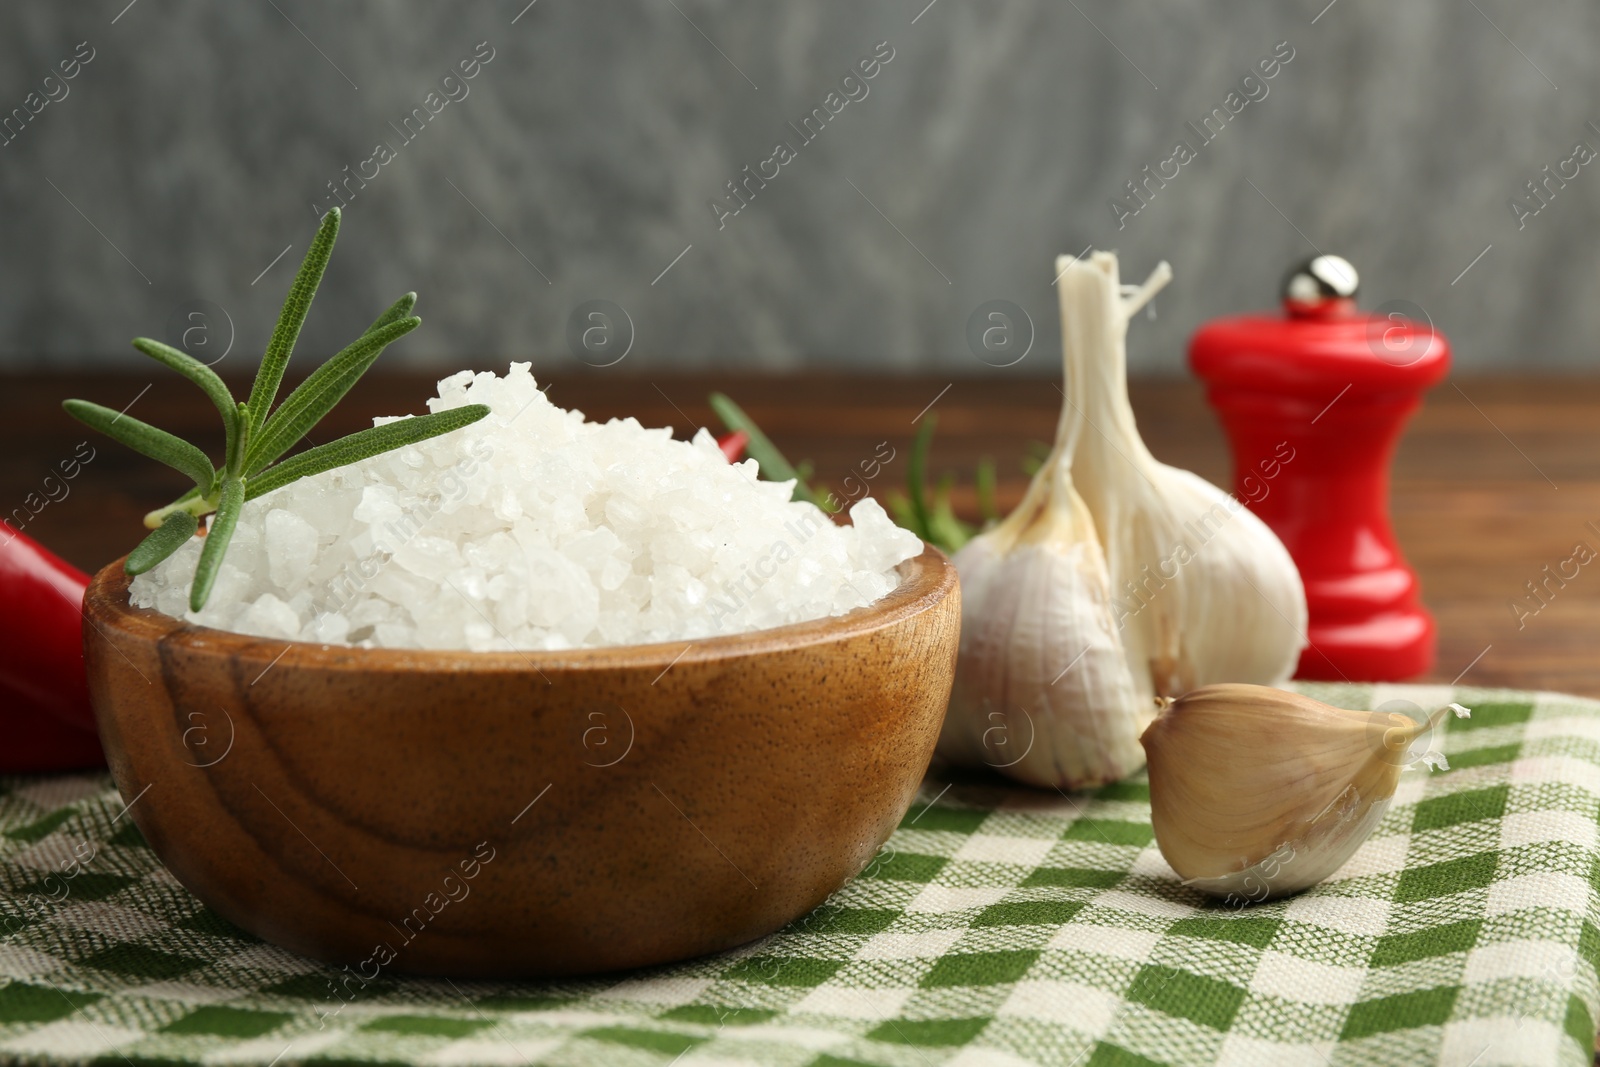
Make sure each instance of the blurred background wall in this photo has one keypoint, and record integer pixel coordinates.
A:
(198, 142)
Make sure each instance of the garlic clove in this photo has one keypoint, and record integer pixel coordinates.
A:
(1227, 566)
(1257, 792)
(1042, 692)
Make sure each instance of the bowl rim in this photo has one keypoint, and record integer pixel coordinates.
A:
(926, 580)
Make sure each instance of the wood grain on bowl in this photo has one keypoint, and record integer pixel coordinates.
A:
(527, 814)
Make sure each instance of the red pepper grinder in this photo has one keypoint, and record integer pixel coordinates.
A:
(1313, 402)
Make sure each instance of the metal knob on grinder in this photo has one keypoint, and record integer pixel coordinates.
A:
(1313, 401)
(1320, 287)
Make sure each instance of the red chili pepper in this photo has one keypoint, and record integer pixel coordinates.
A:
(732, 445)
(46, 721)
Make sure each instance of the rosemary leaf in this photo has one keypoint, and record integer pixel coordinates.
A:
(397, 311)
(199, 374)
(987, 480)
(237, 442)
(291, 318)
(949, 533)
(159, 445)
(363, 445)
(916, 467)
(316, 396)
(167, 539)
(221, 532)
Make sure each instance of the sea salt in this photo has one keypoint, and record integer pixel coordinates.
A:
(534, 529)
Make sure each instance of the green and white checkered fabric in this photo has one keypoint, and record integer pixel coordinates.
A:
(999, 926)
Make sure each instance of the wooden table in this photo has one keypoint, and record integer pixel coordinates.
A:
(1496, 479)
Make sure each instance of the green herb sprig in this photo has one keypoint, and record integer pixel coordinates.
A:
(774, 467)
(257, 436)
(935, 520)
(932, 519)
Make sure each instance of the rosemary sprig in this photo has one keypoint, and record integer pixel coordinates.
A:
(774, 467)
(256, 435)
(932, 518)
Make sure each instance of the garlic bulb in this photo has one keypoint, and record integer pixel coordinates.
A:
(1256, 792)
(1118, 580)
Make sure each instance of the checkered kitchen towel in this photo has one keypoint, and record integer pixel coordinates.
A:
(999, 926)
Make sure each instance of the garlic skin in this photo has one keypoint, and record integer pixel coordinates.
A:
(1206, 591)
(1256, 792)
(1035, 594)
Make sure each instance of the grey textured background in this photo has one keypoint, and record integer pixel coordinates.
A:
(200, 134)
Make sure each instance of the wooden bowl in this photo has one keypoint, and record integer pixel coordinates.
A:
(521, 814)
